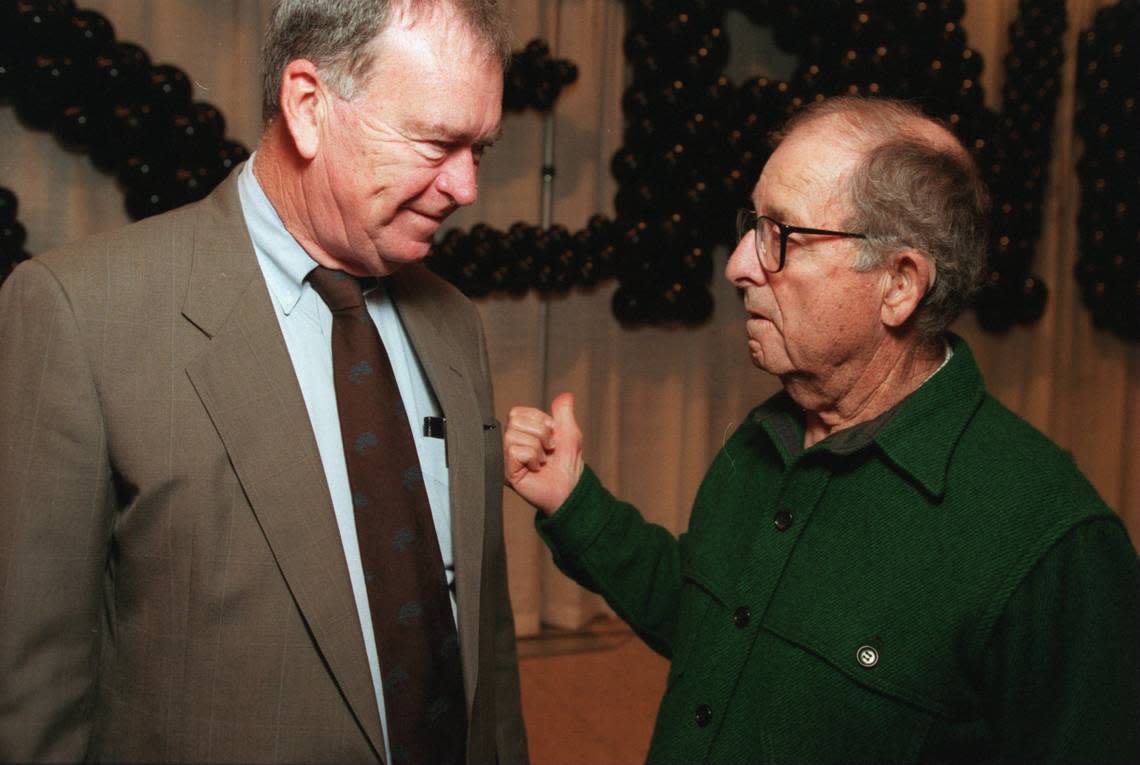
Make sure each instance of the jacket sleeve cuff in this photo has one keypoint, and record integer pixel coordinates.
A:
(574, 526)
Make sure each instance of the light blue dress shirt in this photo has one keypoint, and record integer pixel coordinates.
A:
(306, 324)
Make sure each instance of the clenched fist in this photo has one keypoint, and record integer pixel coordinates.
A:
(542, 453)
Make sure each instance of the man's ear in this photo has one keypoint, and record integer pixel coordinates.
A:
(908, 276)
(303, 108)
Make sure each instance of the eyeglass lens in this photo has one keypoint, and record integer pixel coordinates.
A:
(768, 243)
(767, 238)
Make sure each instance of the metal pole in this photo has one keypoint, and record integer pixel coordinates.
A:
(545, 217)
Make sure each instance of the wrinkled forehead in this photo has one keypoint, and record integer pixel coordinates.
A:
(805, 179)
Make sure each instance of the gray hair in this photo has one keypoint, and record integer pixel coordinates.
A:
(915, 187)
(335, 36)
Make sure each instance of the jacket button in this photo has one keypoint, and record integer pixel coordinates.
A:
(867, 656)
(782, 520)
(704, 715)
(741, 616)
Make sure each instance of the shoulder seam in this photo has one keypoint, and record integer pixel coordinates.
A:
(992, 615)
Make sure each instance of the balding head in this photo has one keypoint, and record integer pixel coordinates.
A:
(914, 187)
(860, 124)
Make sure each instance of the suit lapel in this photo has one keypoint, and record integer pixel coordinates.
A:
(453, 389)
(246, 382)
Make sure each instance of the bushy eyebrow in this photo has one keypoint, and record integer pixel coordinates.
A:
(775, 212)
(437, 131)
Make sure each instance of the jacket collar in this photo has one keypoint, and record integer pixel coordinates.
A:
(918, 435)
(224, 263)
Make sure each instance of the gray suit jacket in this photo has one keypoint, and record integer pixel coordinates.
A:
(172, 582)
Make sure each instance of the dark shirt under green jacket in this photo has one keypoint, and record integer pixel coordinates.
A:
(941, 584)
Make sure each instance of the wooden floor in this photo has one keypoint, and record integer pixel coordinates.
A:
(590, 698)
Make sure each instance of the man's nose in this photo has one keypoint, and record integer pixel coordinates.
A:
(743, 267)
(458, 177)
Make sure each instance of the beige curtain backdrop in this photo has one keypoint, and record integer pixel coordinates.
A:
(654, 404)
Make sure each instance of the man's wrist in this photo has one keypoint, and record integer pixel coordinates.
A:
(577, 521)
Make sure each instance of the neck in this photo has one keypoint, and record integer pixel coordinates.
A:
(279, 172)
(893, 371)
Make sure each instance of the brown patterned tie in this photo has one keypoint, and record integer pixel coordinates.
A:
(403, 570)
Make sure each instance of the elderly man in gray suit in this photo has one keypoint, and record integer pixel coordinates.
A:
(250, 472)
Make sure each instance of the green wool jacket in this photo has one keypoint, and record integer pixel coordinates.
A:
(941, 584)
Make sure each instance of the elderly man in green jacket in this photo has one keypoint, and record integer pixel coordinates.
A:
(883, 564)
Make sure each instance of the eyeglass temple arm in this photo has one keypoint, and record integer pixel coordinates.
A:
(788, 230)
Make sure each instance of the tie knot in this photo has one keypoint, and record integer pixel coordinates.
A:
(338, 289)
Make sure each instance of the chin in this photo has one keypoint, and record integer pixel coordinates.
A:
(396, 254)
(412, 253)
(772, 363)
(759, 363)
(757, 354)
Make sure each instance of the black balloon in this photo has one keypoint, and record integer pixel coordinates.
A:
(144, 170)
(9, 206)
(1034, 296)
(33, 27)
(225, 157)
(89, 30)
(630, 306)
(9, 78)
(1108, 269)
(168, 87)
(121, 71)
(144, 202)
(74, 126)
(51, 82)
(534, 79)
(12, 236)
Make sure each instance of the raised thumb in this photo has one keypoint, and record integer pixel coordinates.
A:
(562, 410)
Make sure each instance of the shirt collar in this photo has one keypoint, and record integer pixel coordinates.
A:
(920, 439)
(284, 262)
(917, 435)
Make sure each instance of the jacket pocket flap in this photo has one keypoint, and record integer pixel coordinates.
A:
(710, 575)
(872, 662)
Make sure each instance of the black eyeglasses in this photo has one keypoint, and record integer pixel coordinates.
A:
(766, 232)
